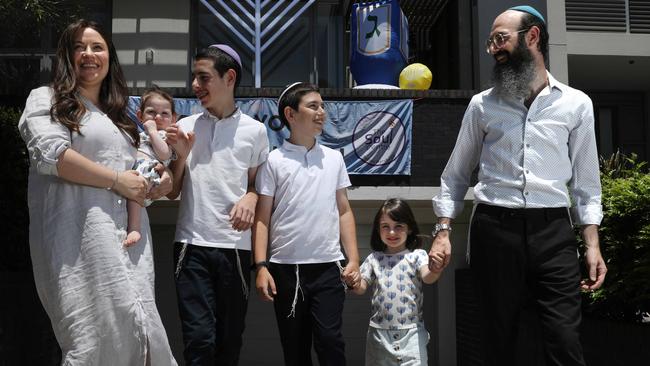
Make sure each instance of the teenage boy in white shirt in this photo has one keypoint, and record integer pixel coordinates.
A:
(219, 151)
(304, 213)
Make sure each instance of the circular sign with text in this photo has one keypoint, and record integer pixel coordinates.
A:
(379, 138)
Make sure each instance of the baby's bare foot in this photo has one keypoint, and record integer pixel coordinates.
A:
(131, 238)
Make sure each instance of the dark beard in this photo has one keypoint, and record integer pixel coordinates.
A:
(514, 77)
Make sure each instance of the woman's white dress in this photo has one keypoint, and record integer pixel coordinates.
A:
(98, 294)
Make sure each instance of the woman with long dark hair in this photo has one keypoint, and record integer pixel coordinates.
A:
(98, 294)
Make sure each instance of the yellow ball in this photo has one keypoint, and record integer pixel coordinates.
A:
(415, 76)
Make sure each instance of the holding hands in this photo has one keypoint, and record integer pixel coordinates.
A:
(440, 253)
(266, 285)
(351, 274)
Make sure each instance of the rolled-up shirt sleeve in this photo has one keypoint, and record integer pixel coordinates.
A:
(584, 186)
(45, 139)
(456, 177)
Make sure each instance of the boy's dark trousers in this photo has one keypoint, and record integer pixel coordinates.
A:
(517, 253)
(211, 303)
(318, 313)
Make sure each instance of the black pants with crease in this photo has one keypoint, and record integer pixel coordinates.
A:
(317, 315)
(521, 253)
(211, 303)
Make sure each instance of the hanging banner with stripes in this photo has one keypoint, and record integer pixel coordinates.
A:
(373, 136)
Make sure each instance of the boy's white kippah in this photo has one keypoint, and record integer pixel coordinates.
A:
(229, 51)
(286, 90)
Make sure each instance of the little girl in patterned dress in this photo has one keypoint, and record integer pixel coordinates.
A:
(156, 114)
(396, 270)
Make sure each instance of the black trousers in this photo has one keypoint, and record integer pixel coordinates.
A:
(211, 303)
(517, 253)
(318, 313)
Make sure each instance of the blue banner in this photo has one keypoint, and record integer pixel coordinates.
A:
(373, 136)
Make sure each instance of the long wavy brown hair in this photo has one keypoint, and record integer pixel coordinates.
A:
(67, 106)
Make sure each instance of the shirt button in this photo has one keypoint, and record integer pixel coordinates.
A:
(529, 120)
(527, 145)
(119, 202)
(526, 193)
(527, 171)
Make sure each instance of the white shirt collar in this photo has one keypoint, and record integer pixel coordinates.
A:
(299, 148)
(553, 83)
(233, 116)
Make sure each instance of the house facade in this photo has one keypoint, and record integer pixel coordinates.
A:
(600, 47)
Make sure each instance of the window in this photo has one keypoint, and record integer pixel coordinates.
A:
(620, 123)
(605, 131)
(309, 49)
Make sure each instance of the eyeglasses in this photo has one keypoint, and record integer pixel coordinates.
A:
(499, 40)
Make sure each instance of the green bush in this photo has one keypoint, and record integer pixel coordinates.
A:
(625, 241)
(14, 214)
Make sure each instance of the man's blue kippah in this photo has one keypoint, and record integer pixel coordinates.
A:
(530, 10)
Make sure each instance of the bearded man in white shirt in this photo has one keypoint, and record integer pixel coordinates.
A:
(533, 140)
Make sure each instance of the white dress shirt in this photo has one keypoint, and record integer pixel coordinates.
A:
(542, 156)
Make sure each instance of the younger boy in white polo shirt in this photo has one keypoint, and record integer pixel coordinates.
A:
(219, 152)
(301, 211)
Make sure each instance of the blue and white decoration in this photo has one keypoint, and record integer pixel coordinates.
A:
(379, 42)
(397, 288)
(373, 136)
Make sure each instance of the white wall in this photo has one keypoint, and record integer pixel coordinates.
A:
(160, 29)
(557, 43)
